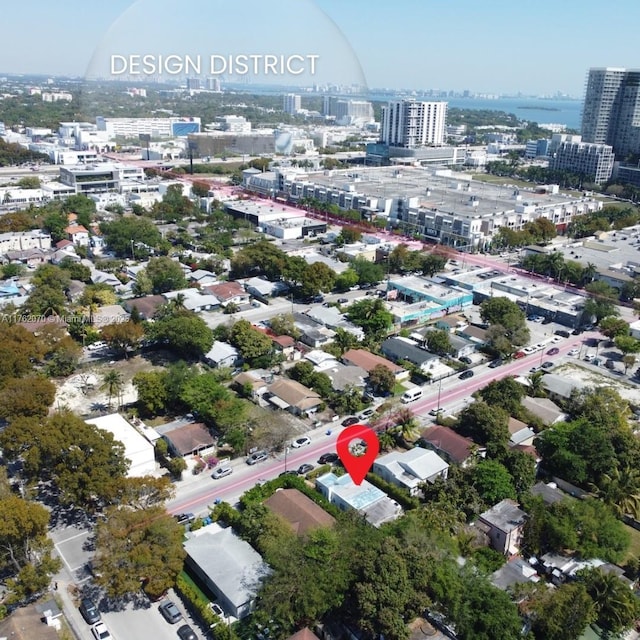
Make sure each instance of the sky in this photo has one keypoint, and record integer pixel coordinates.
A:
(490, 46)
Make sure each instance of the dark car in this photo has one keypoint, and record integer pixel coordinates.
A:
(89, 611)
(305, 468)
(347, 422)
(289, 472)
(465, 375)
(547, 365)
(327, 458)
(494, 364)
(170, 612)
(577, 332)
(185, 632)
(553, 352)
(563, 333)
(466, 360)
(343, 300)
(185, 518)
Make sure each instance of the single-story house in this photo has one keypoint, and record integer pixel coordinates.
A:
(293, 396)
(451, 323)
(560, 387)
(30, 257)
(450, 445)
(286, 346)
(409, 469)
(516, 571)
(137, 449)
(255, 380)
(228, 293)
(228, 566)
(263, 288)
(547, 411)
(147, 306)
(403, 349)
(189, 439)
(102, 277)
(194, 299)
(300, 512)
(369, 361)
(475, 334)
(27, 623)
(549, 492)
(371, 502)
(520, 433)
(504, 524)
(222, 354)
(202, 277)
(109, 314)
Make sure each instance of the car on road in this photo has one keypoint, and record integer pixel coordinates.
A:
(347, 422)
(547, 365)
(553, 352)
(185, 518)
(221, 472)
(301, 442)
(89, 611)
(573, 352)
(367, 413)
(305, 468)
(327, 458)
(343, 300)
(494, 364)
(185, 632)
(100, 631)
(170, 612)
(465, 375)
(257, 456)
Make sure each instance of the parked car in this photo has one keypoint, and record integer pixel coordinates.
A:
(610, 364)
(465, 375)
(258, 456)
(301, 442)
(100, 631)
(347, 422)
(185, 632)
(435, 412)
(185, 518)
(547, 365)
(553, 352)
(574, 352)
(170, 612)
(305, 468)
(466, 360)
(495, 364)
(288, 472)
(221, 472)
(519, 354)
(328, 458)
(89, 611)
(367, 413)
(343, 300)
(563, 333)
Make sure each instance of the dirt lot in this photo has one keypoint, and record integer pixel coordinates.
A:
(82, 391)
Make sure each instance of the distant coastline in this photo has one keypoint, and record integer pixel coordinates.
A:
(538, 108)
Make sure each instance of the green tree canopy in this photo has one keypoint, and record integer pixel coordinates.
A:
(165, 275)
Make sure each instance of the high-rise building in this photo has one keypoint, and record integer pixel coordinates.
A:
(407, 123)
(611, 113)
(594, 161)
(213, 84)
(292, 103)
(193, 84)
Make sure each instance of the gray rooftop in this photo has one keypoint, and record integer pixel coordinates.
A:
(505, 516)
(231, 563)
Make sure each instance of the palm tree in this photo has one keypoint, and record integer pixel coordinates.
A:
(589, 273)
(177, 304)
(621, 490)
(555, 262)
(386, 440)
(406, 425)
(536, 388)
(112, 383)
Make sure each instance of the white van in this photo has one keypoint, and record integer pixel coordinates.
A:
(411, 395)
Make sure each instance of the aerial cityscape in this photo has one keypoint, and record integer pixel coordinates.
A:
(319, 323)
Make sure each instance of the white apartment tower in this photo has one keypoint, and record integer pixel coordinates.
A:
(292, 103)
(611, 113)
(407, 123)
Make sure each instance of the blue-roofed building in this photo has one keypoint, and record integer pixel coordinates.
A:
(369, 501)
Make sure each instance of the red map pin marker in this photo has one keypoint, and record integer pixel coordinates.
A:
(357, 466)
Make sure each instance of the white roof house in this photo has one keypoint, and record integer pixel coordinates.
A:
(227, 565)
(371, 502)
(410, 469)
(137, 449)
(222, 354)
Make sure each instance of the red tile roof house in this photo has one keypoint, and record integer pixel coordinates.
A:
(368, 361)
(77, 234)
(228, 292)
(451, 446)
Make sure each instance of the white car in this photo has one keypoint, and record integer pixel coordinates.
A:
(100, 631)
(301, 442)
(574, 352)
(556, 339)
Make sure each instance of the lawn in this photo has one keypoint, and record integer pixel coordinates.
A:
(634, 545)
